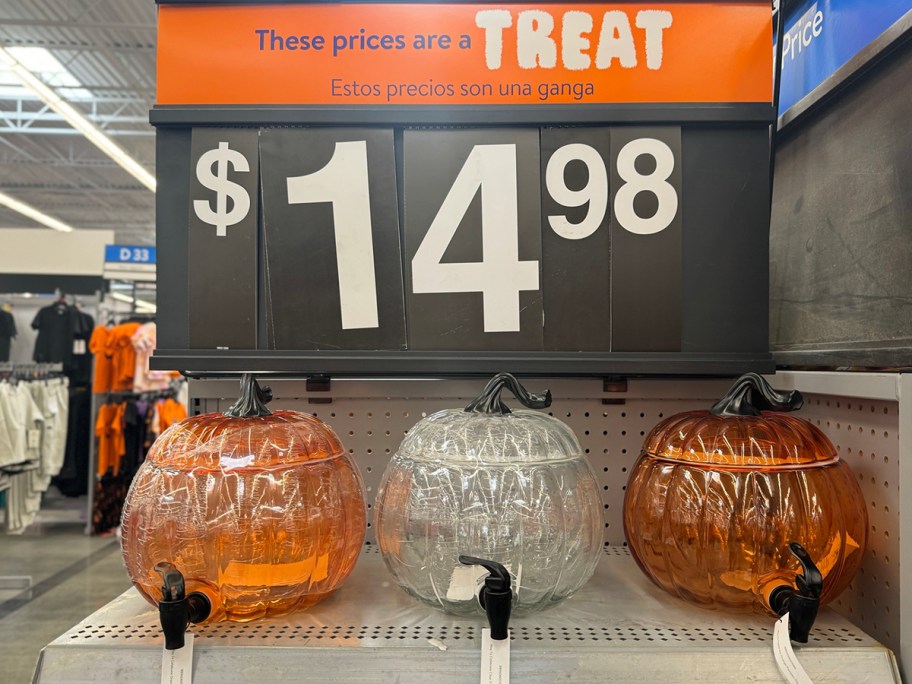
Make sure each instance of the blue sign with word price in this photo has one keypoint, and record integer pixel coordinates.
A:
(822, 35)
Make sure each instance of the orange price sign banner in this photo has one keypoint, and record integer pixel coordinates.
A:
(465, 54)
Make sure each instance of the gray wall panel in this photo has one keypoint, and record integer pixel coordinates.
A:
(841, 235)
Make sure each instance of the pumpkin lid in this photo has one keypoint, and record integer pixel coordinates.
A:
(746, 428)
(246, 436)
(487, 432)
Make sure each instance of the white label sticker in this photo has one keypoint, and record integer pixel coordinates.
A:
(495, 659)
(466, 580)
(33, 439)
(785, 657)
(177, 665)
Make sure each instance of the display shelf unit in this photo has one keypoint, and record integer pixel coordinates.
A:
(619, 627)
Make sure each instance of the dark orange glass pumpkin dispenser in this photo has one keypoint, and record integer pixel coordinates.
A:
(260, 513)
(717, 497)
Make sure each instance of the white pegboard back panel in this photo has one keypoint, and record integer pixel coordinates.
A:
(866, 435)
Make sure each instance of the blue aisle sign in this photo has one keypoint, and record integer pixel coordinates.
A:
(126, 262)
(822, 35)
(123, 254)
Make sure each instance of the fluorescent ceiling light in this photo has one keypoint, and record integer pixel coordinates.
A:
(73, 117)
(34, 214)
(48, 68)
(142, 306)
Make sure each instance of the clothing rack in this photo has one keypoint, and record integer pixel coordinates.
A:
(103, 398)
(31, 371)
(31, 374)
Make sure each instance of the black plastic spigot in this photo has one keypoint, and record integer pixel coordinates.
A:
(496, 596)
(803, 602)
(176, 610)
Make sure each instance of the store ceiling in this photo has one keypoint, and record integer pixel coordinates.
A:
(108, 47)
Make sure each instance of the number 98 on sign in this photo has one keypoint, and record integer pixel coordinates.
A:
(512, 239)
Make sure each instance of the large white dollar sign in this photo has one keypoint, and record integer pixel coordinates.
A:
(221, 218)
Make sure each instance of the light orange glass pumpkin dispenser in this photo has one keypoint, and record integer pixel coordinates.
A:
(252, 513)
(745, 507)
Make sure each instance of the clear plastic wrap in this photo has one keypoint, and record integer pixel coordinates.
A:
(264, 514)
(509, 487)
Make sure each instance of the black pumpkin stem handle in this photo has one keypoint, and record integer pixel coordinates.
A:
(253, 399)
(490, 402)
(752, 394)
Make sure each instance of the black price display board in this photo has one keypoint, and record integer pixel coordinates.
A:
(458, 189)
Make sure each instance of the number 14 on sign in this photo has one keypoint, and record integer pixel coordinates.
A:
(490, 170)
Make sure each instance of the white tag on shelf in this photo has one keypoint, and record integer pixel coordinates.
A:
(33, 439)
(495, 659)
(785, 657)
(177, 665)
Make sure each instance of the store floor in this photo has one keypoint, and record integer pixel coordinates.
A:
(72, 576)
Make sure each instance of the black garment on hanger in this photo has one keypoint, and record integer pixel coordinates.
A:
(73, 479)
(56, 325)
(79, 370)
(7, 332)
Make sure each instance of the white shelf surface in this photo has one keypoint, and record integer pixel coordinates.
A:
(619, 628)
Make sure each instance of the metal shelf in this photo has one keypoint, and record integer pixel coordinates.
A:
(619, 628)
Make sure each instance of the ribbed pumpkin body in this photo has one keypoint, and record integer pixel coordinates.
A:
(713, 502)
(512, 488)
(265, 515)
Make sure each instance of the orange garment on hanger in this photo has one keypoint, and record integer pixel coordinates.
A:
(119, 444)
(109, 428)
(105, 438)
(169, 412)
(124, 356)
(104, 364)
